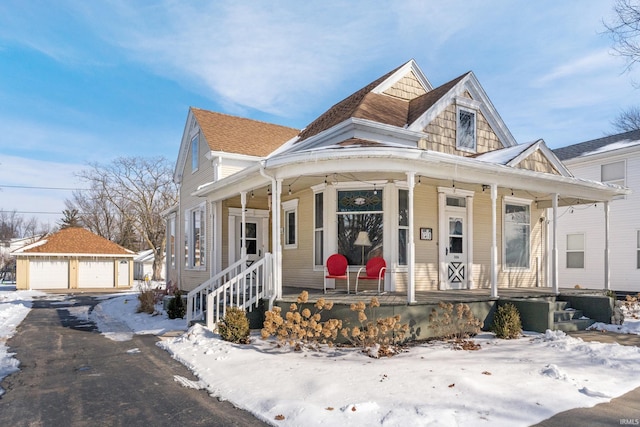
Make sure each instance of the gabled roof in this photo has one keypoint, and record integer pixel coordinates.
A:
(74, 240)
(239, 135)
(356, 103)
(600, 145)
(513, 156)
(403, 98)
(422, 103)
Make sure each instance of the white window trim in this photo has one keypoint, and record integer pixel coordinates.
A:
(194, 155)
(169, 248)
(637, 247)
(319, 189)
(515, 201)
(191, 244)
(475, 129)
(583, 250)
(400, 267)
(622, 182)
(288, 207)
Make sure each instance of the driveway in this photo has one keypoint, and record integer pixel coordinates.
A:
(70, 375)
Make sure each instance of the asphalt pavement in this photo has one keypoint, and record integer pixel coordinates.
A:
(71, 375)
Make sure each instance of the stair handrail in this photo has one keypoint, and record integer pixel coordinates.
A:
(244, 291)
(196, 298)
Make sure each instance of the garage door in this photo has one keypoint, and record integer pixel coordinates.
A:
(48, 274)
(95, 274)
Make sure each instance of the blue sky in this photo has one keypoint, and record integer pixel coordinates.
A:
(87, 81)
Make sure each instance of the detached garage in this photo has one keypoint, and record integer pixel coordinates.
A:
(73, 258)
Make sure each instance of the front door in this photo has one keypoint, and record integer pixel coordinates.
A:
(455, 254)
(253, 239)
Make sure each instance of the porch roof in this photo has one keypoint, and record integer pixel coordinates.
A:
(369, 162)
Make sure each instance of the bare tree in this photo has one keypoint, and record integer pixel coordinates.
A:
(625, 30)
(97, 213)
(13, 225)
(139, 189)
(10, 225)
(627, 120)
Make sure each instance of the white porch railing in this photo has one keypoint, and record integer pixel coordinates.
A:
(239, 285)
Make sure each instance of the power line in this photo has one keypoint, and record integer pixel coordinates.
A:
(34, 213)
(30, 187)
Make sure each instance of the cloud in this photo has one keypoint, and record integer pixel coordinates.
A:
(594, 62)
(265, 56)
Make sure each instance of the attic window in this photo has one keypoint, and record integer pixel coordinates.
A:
(194, 152)
(466, 130)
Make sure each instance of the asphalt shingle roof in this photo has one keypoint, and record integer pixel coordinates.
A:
(365, 104)
(240, 135)
(76, 240)
(580, 149)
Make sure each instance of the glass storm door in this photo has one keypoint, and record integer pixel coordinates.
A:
(455, 256)
(253, 239)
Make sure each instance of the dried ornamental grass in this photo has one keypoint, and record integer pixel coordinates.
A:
(455, 323)
(379, 337)
(300, 326)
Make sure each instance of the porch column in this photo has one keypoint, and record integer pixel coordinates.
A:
(411, 283)
(277, 241)
(607, 273)
(494, 244)
(554, 246)
(243, 228)
(469, 248)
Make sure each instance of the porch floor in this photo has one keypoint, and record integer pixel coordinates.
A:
(290, 294)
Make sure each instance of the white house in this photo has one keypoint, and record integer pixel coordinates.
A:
(582, 240)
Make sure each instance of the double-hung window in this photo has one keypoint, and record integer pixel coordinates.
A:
(403, 225)
(517, 235)
(195, 238)
(575, 250)
(171, 241)
(638, 246)
(614, 173)
(318, 230)
(290, 209)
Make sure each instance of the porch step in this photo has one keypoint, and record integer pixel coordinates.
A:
(568, 319)
(573, 325)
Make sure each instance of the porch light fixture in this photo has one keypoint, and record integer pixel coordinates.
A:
(419, 180)
(289, 189)
(252, 194)
(362, 240)
(375, 191)
(485, 187)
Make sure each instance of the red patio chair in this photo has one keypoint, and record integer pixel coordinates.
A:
(374, 270)
(337, 268)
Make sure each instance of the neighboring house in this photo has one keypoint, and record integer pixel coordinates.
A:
(432, 175)
(582, 240)
(143, 265)
(7, 263)
(73, 258)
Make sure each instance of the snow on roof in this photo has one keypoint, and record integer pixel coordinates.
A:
(611, 147)
(505, 155)
(598, 146)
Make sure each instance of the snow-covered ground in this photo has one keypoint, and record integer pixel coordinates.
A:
(516, 382)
